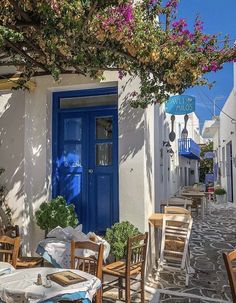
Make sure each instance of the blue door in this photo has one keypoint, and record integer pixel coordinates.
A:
(87, 165)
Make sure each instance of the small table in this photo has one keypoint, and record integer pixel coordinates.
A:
(197, 194)
(19, 286)
(155, 221)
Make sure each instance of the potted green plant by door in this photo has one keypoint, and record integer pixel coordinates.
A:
(56, 213)
(117, 236)
(220, 194)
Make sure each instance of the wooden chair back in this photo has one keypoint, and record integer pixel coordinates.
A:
(92, 265)
(136, 254)
(9, 249)
(176, 210)
(230, 264)
(179, 201)
(176, 232)
(12, 231)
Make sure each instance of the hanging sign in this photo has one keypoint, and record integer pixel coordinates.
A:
(209, 155)
(180, 105)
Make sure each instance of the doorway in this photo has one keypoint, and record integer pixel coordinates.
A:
(229, 171)
(85, 155)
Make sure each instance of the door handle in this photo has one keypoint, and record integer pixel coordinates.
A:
(90, 171)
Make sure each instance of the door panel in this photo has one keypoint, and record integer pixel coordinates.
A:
(103, 191)
(103, 162)
(72, 160)
(87, 166)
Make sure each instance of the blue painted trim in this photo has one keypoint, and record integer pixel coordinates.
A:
(86, 92)
(87, 109)
(71, 297)
(43, 253)
(55, 129)
(189, 149)
(55, 111)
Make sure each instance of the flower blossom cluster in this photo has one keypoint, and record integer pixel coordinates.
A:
(180, 33)
(212, 67)
(172, 3)
(120, 16)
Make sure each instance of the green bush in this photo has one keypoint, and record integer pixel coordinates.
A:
(56, 213)
(220, 191)
(117, 236)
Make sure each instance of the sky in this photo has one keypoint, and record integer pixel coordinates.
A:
(218, 16)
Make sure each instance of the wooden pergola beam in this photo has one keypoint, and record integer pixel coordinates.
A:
(10, 83)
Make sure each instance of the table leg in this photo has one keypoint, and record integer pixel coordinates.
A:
(157, 245)
(203, 200)
(209, 204)
(151, 252)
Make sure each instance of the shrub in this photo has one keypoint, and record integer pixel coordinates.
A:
(117, 236)
(220, 191)
(56, 213)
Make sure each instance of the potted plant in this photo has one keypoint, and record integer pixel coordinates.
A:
(56, 213)
(220, 194)
(117, 236)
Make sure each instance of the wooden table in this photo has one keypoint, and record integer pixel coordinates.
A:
(197, 194)
(155, 222)
(177, 201)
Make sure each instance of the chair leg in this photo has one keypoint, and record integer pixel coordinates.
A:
(187, 279)
(127, 290)
(98, 298)
(142, 289)
(120, 291)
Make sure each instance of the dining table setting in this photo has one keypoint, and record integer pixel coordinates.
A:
(55, 248)
(34, 285)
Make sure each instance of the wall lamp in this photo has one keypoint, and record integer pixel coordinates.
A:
(166, 143)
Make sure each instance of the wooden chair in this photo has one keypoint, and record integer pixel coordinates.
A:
(180, 202)
(22, 262)
(12, 231)
(130, 269)
(92, 265)
(174, 254)
(9, 249)
(230, 264)
(176, 210)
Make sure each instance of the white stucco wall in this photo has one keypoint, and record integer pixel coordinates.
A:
(26, 122)
(227, 134)
(181, 166)
(12, 137)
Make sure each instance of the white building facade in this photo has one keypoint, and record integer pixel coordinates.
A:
(176, 169)
(222, 130)
(81, 139)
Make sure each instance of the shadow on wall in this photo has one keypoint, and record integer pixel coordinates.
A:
(12, 151)
(148, 159)
(134, 133)
(131, 127)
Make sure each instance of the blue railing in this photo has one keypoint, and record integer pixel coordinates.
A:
(189, 149)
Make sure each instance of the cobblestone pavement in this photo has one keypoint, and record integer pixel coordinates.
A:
(210, 237)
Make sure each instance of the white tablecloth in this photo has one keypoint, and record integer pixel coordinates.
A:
(6, 268)
(19, 287)
(57, 251)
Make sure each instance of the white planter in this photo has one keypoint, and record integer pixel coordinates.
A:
(221, 199)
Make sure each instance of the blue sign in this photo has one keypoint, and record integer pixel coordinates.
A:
(209, 155)
(180, 105)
